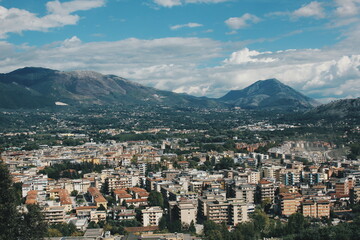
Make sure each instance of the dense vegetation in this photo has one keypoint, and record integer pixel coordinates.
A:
(66, 169)
(18, 222)
(297, 228)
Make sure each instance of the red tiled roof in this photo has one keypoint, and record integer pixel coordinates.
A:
(95, 193)
(137, 189)
(263, 181)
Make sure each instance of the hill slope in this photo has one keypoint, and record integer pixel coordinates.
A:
(269, 94)
(344, 108)
(39, 87)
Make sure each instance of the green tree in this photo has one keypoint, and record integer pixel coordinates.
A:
(296, 223)
(101, 208)
(27, 224)
(33, 225)
(105, 188)
(74, 193)
(53, 232)
(192, 228)
(162, 223)
(9, 216)
(156, 199)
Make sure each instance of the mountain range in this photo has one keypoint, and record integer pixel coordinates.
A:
(33, 87)
(39, 87)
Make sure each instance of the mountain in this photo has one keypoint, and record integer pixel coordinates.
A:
(340, 109)
(32, 87)
(269, 94)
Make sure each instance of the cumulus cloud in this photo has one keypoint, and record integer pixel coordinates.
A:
(172, 3)
(59, 14)
(245, 56)
(241, 22)
(188, 25)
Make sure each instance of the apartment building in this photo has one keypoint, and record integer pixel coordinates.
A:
(266, 190)
(355, 194)
(290, 177)
(245, 192)
(116, 181)
(315, 208)
(253, 177)
(230, 211)
(151, 216)
(343, 186)
(184, 211)
(290, 203)
(54, 214)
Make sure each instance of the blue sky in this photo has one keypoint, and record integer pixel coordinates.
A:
(200, 47)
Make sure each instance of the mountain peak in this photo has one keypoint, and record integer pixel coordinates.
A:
(31, 70)
(268, 94)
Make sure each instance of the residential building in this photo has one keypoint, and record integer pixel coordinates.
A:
(289, 203)
(230, 211)
(96, 197)
(151, 216)
(315, 208)
(54, 214)
(184, 211)
(266, 191)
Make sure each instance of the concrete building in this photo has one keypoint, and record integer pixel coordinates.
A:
(290, 177)
(266, 191)
(151, 216)
(184, 211)
(116, 181)
(316, 208)
(54, 214)
(230, 211)
(290, 203)
(253, 177)
(342, 187)
(245, 192)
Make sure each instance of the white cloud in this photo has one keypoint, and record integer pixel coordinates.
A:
(168, 3)
(241, 22)
(347, 8)
(16, 20)
(313, 9)
(189, 25)
(245, 56)
(172, 3)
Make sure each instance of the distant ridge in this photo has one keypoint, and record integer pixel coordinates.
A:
(339, 109)
(33, 87)
(269, 94)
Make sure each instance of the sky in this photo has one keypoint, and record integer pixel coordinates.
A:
(198, 47)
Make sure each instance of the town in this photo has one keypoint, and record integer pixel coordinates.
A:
(163, 193)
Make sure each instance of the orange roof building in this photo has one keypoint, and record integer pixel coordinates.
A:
(97, 197)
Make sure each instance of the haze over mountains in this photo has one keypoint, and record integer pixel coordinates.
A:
(39, 87)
